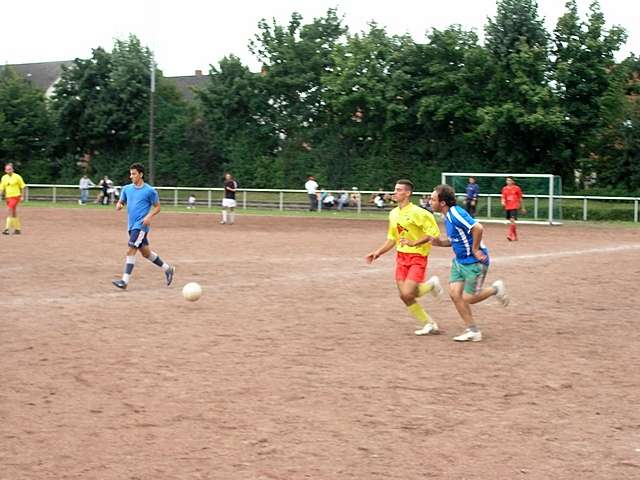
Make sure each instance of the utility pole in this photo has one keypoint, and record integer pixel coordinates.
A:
(152, 105)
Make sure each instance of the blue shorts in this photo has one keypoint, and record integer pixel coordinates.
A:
(138, 238)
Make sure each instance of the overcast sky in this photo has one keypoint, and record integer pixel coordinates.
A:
(187, 35)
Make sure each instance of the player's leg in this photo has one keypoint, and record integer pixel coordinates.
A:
(9, 220)
(224, 215)
(232, 215)
(432, 286)
(410, 273)
(154, 258)
(17, 225)
(512, 236)
(458, 283)
(129, 264)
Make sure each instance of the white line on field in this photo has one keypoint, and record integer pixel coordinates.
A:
(326, 272)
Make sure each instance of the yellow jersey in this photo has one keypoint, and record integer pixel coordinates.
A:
(12, 185)
(412, 223)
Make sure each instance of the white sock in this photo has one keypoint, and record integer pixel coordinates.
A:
(232, 217)
(128, 268)
(224, 216)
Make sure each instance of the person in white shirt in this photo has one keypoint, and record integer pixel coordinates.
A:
(311, 186)
(84, 185)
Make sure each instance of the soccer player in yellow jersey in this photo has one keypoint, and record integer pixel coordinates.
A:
(12, 185)
(410, 230)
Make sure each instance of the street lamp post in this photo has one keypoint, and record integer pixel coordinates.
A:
(152, 102)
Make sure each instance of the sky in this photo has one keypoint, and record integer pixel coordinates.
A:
(191, 35)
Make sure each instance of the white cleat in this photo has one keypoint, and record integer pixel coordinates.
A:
(430, 328)
(469, 336)
(501, 292)
(436, 287)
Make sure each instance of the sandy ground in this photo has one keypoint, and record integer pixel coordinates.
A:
(300, 361)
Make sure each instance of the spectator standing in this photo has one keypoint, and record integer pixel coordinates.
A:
(85, 184)
(472, 192)
(311, 186)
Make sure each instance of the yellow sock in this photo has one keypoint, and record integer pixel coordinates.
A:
(419, 313)
(424, 288)
(9, 222)
(16, 223)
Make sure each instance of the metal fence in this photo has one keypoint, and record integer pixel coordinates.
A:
(572, 207)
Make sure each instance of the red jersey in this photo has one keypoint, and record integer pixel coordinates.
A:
(511, 196)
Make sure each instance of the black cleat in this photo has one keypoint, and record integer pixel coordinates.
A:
(120, 284)
(169, 275)
(5, 231)
(17, 232)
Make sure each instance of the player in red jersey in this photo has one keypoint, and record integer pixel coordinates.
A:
(512, 202)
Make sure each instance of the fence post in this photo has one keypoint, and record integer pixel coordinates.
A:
(535, 207)
(584, 209)
(175, 197)
(281, 201)
(208, 198)
(635, 210)
(54, 194)
(244, 199)
(489, 206)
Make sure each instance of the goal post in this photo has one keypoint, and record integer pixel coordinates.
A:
(541, 194)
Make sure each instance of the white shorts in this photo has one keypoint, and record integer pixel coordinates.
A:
(228, 203)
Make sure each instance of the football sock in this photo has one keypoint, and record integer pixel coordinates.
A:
(224, 216)
(424, 288)
(9, 223)
(128, 268)
(473, 328)
(154, 258)
(16, 223)
(419, 313)
(232, 217)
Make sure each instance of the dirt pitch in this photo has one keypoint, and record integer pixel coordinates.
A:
(300, 362)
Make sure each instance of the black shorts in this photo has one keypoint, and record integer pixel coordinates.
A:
(512, 214)
(138, 238)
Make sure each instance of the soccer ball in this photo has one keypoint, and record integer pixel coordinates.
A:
(192, 291)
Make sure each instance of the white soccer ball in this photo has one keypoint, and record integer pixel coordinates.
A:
(192, 291)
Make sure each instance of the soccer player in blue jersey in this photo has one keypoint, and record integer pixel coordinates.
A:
(143, 204)
(470, 264)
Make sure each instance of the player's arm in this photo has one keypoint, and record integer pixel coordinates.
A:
(152, 213)
(388, 245)
(477, 230)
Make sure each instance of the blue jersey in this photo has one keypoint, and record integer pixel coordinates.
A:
(139, 201)
(472, 191)
(459, 224)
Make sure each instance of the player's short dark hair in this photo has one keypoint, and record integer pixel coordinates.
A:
(406, 183)
(446, 194)
(138, 167)
(510, 177)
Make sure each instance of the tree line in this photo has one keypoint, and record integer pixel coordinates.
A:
(359, 108)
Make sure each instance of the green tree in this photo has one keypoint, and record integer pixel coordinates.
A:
(236, 111)
(101, 103)
(25, 127)
(294, 58)
(521, 121)
(586, 82)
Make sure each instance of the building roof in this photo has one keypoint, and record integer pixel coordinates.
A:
(185, 84)
(43, 74)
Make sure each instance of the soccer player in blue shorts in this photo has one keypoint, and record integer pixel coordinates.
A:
(143, 204)
(470, 264)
